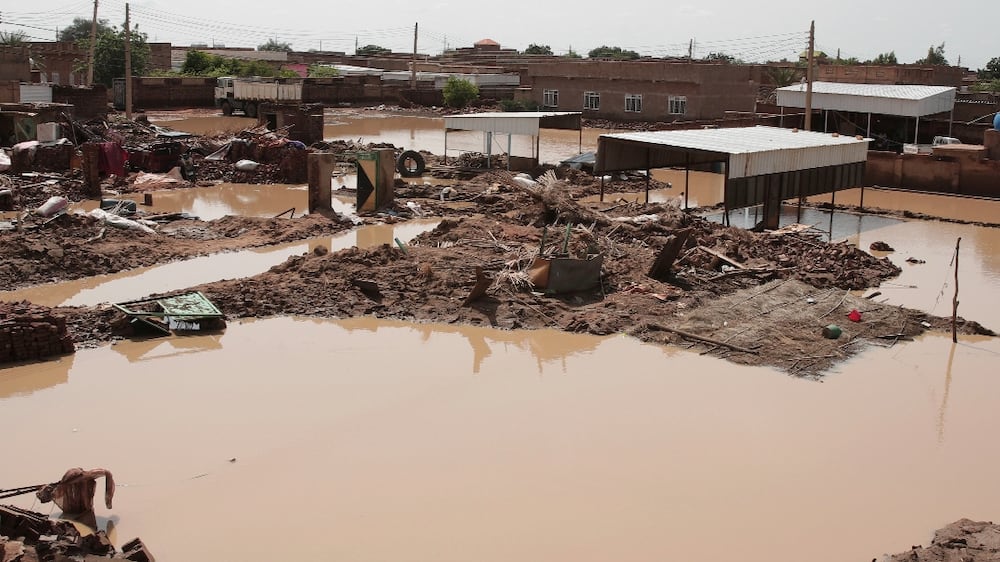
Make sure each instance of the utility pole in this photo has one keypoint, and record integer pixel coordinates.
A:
(809, 76)
(93, 41)
(413, 68)
(691, 49)
(128, 65)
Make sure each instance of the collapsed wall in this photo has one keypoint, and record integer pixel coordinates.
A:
(29, 331)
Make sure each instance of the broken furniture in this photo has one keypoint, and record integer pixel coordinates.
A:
(162, 316)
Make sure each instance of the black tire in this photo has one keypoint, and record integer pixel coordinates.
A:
(410, 164)
(250, 109)
(227, 108)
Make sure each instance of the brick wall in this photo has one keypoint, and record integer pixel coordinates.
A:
(709, 89)
(87, 102)
(29, 331)
(967, 174)
(14, 64)
(157, 93)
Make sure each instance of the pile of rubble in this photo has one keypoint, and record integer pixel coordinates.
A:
(29, 331)
(964, 540)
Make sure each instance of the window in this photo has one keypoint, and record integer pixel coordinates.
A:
(633, 103)
(592, 100)
(678, 105)
(550, 98)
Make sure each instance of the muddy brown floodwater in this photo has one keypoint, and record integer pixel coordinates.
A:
(373, 440)
(365, 440)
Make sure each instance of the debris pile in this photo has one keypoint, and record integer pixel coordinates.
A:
(29, 331)
(965, 540)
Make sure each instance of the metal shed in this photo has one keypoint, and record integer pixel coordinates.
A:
(901, 100)
(763, 165)
(527, 123)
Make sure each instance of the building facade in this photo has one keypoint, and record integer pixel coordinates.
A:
(643, 90)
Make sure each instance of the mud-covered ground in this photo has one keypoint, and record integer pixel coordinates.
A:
(753, 298)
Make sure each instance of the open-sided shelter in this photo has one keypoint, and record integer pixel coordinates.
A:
(527, 123)
(763, 165)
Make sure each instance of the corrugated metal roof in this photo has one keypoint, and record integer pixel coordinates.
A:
(514, 123)
(36, 93)
(749, 151)
(886, 99)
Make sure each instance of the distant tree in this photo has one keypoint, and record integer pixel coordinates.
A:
(13, 38)
(884, 59)
(79, 30)
(322, 71)
(371, 50)
(784, 76)
(616, 53)
(991, 71)
(723, 58)
(988, 86)
(848, 61)
(935, 56)
(199, 63)
(534, 49)
(275, 45)
(109, 55)
(459, 92)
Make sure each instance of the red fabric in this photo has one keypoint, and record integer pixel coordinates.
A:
(113, 159)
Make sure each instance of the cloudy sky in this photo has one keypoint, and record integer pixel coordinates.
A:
(753, 31)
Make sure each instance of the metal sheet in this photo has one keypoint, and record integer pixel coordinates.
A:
(901, 99)
(749, 151)
(514, 123)
(36, 93)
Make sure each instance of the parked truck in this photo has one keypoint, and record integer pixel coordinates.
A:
(246, 95)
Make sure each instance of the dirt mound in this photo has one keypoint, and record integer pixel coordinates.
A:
(964, 540)
(78, 246)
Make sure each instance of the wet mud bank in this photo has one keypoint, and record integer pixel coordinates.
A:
(78, 246)
(755, 299)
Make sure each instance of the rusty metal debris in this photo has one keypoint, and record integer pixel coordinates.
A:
(184, 312)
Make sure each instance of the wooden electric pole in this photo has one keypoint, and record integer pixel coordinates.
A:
(413, 63)
(809, 76)
(93, 42)
(954, 300)
(128, 65)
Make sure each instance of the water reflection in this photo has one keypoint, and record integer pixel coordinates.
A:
(153, 349)
(554, 433)
(22, 379)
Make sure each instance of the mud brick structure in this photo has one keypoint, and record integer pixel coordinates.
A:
(29, 331)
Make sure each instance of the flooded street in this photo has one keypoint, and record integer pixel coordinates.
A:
(476, 444)
(372, 440)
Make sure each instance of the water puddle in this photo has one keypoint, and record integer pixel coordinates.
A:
(427, 133)
(951, 207)
(475, 444)
(140, 282)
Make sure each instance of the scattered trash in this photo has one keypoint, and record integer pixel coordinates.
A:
(914, 260)
(925, 324)
(246, 165)
(854, 315)
(880, 246)
(810, 300)
(832, 332)
(121, 222)
(415, 207)
(53, 206)
(447, 192)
